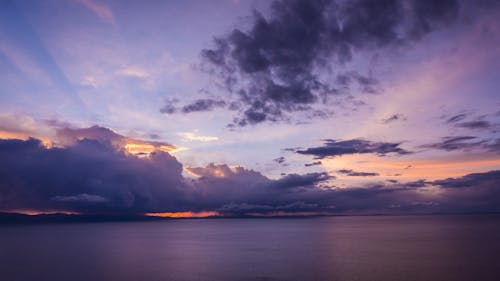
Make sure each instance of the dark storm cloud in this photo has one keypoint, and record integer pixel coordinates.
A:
(332, 148)
(273, 66)
(352, 173)
(88, 176)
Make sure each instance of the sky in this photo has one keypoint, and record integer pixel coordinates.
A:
(249, 108)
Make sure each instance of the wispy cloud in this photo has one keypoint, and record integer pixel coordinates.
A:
(189, 136)
(100, 9)
(133, 72)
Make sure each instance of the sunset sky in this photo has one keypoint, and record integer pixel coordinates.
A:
(234, 107)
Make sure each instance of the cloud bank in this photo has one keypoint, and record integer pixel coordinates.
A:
(92, 176)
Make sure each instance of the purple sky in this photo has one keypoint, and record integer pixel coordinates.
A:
(249, 107)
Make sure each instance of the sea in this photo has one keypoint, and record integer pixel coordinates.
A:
(399, 248)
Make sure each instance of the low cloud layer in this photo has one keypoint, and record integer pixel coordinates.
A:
(92, 176)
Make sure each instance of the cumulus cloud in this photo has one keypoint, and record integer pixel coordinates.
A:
(67, 136)
(274, 67)
(332, 148)
(88, 176)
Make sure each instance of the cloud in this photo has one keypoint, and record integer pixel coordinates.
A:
(91, 177)
(193, 137)
(478, 192)
(133, 72)
(456, 118)
(84, 197)
(478, 125)
(274, 66)
(393, 118)
(296, 180)
(332, 148)
(203, 105)
(352, 173)
(455, 143)
(465, 143)
(91, 174)
(169, 107)
(471, 180)
(315, 163)
(67, 136)
(199, 105)
(88, 176)
(280, 160)
(100, 9)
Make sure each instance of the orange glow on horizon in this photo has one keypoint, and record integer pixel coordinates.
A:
(36, 213)
(203, 214)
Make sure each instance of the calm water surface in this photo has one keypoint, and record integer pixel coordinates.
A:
(328, 248)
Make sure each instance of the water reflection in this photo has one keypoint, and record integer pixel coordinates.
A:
(333, 248)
